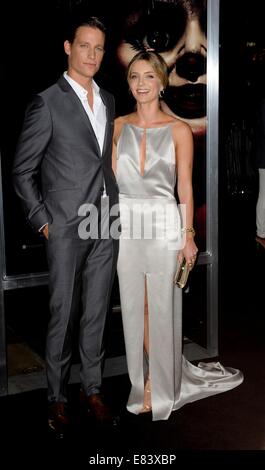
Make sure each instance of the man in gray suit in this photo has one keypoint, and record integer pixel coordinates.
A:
(66, 140)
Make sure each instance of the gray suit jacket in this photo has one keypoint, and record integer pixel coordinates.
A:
(58, 164)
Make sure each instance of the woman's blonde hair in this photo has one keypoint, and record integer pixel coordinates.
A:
(157, 62)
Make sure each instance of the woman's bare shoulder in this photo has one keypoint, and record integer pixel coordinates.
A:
(181, 129)
(180, 125)
(119, 123)
(121, 120)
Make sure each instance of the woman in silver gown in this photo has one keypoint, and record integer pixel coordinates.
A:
(153, 153)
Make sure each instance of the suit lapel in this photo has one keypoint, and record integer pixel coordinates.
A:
(107, 104)
(66, 87)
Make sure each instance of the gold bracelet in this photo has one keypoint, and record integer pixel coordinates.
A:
(189, 230)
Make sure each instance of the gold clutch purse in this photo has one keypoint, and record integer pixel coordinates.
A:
(182, 274)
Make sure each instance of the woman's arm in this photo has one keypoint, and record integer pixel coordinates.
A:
(184, 163)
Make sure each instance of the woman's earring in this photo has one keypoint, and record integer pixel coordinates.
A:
(161, 94)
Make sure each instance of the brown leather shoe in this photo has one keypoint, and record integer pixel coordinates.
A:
(58, 420)
(98, 409)
(261, 241)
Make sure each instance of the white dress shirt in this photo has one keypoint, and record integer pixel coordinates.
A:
(97, 117)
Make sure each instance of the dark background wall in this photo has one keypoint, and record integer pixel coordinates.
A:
(242, 83)
(30, 61)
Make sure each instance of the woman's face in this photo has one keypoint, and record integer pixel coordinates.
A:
(180, 37)
(144, 83)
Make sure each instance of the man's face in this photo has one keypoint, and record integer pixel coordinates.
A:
(86, 52)
(180, 37)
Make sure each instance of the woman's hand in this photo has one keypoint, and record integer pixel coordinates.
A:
(189, 252)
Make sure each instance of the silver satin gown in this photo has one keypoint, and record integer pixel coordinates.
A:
(148, 257)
